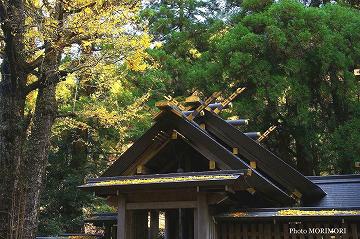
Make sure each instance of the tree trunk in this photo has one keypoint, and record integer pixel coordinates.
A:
(36, 156)
(37, 149)
(12, 136)
(11, 187)
(12, 123)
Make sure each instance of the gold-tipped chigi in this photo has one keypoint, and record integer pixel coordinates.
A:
(228, 100)
(266, 133)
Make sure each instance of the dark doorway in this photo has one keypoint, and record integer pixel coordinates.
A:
(179, 223)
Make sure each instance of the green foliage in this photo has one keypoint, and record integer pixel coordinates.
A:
(344, 147)
(255, 5)
(297, 62)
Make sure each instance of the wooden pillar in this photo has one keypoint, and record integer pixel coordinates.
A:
(154, 224)
(130, 224)
(121, 218)
(203, 217)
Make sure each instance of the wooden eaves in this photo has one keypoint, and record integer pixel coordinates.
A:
(104, 186)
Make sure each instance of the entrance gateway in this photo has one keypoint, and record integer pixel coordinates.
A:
(211, 180)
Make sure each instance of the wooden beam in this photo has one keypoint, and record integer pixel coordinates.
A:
(170, 195)
(174, 134)
(141, 169)
(121, 222)
(147, 155)
(238, 122)
(212, 164)
(161, 205)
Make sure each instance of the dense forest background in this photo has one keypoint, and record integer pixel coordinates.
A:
(295, 58)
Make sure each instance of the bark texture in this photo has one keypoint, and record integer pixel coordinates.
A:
(36, 156)
(24, 140)
(12, 128)
(11, 185)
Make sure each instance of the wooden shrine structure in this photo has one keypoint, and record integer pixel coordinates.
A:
(213, 181)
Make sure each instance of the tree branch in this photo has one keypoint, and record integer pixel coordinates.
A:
(45, 81)
(35, 63)
(65, 115)
(50, 78)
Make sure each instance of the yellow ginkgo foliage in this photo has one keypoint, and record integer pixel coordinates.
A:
(84, 33)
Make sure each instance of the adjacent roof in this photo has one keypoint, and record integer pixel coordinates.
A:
(342, 201)
(343, 191)
(290, 214)
(102, 218)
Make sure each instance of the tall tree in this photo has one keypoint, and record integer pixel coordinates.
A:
(42, 41)
(297, 63)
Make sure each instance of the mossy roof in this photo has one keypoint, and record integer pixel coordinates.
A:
(186, 179)
(289, 213)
